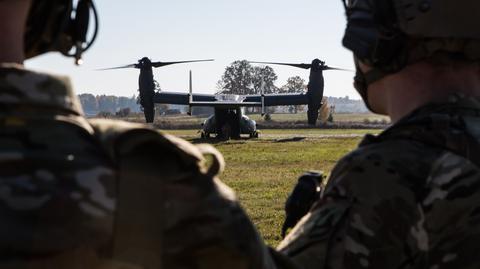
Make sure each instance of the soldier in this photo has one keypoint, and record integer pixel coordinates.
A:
(407, 198)
(83, 194)
(76, 193)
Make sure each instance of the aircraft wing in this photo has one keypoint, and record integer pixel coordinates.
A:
(286, 99)
(177, 98)
(222, 104)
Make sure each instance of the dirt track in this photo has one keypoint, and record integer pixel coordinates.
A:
(279, 137)
(274, 136)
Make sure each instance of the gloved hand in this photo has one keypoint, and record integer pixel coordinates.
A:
(304, 195)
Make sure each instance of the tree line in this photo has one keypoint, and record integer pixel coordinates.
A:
(92, 105)
(242, 78)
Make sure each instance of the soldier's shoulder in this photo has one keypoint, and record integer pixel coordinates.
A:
(374, 149)
(120, 137)
(378, 160)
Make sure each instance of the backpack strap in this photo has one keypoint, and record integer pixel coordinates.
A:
(118, 137)
(146, 160)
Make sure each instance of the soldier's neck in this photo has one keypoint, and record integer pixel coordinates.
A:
(12, 28)
(9, 54)
(399, 94)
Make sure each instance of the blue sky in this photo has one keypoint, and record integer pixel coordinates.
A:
(263, 30)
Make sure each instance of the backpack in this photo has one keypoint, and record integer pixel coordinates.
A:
(150, 166)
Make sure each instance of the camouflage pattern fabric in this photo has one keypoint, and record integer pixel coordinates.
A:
(409, 198)
(106, 194)
(55, 182)
(173, 211)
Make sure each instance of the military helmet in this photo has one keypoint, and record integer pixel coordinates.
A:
(391, 34)
(56, 25)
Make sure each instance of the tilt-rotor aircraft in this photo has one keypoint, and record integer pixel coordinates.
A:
(229, 121)
(147, 83)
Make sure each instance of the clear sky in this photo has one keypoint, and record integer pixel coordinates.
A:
(169, 30)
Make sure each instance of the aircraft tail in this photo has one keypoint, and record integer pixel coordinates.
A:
(190, 94)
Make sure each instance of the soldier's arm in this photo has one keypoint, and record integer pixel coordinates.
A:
(367, 218)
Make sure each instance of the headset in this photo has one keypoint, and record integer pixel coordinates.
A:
(374, 39)
(55, 25)
(371, 33)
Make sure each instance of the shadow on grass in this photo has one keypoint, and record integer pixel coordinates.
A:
(292, 139)
(215, 141)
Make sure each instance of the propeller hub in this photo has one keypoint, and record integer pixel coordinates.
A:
(317, 64)
(144, 62)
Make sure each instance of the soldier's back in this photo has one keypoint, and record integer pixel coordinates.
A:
(62, 177)
(57, 186)
(414, 191)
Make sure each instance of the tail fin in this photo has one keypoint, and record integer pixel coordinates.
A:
(262, 92)
(190, 94)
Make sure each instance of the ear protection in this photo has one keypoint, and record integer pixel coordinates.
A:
(372, 34)
(54, 25)
(373, 39)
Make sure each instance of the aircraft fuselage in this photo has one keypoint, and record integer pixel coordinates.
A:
(229, 123)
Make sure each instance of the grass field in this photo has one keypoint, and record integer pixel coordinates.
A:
(266, 134)
(263, 171)
(179, 120)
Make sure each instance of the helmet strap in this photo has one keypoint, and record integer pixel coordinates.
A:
(363, 80)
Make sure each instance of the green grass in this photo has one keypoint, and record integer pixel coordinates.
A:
(272, 133)
(264, 171)
(300, 117)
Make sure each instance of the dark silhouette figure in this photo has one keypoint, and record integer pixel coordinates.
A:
(301, 199)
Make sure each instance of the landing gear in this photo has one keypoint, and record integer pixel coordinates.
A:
(226, 132)
(204, 135)
(254, 135)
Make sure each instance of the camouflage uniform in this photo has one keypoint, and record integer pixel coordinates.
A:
(408, 198)
(53, 174)
(89, 194)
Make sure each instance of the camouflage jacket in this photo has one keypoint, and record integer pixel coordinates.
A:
(408, 198)
(53, 173)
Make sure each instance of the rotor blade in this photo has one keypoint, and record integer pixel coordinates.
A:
(335, 68)
(161, 64)
(303, 66)
(119, 67)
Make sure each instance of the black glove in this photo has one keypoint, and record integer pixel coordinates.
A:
(304, 195)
